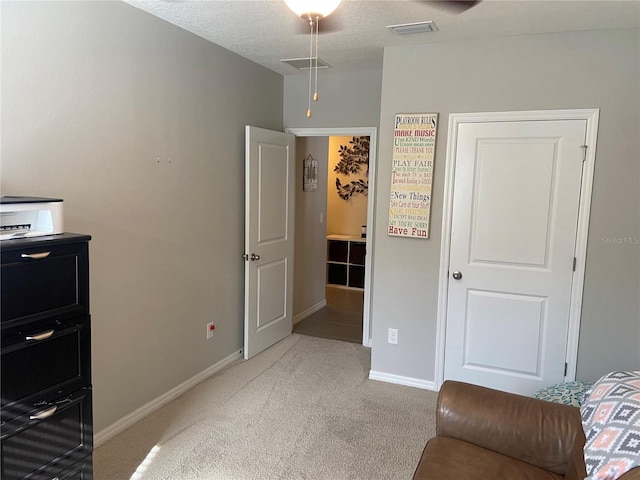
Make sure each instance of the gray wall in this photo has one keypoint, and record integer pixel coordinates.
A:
(310, 235)
(139, 126)
(597, 69)
(345, 99)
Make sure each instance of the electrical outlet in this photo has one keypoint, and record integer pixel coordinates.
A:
(210, 329)
(392, 336)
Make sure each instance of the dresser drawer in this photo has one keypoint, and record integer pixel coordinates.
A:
(43, 280)
(81, 471)
(43, 364)
(48, 446)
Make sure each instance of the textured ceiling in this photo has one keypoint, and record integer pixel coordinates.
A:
(266, 31)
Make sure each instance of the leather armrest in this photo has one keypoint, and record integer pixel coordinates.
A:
(576, 468)
(631, 474)
(534, 431)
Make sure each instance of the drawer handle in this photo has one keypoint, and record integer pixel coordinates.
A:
(40, 336)
(36, 256)
(44, 414)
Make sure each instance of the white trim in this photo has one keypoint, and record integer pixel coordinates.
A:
(372, 133)
(312, 309)
(400, 380)
(128, 420)
(445, 246)
(592, 117)
(455, 120)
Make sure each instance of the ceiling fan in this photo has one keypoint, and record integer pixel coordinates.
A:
(316, 13)
(453, 6)
(312, 11)
(335, 23)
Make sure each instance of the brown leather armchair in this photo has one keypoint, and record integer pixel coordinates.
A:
(487, 434)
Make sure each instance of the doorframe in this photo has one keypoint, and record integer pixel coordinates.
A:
(591, 116)
(372, 133)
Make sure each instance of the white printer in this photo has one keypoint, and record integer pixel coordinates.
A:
(30, 217)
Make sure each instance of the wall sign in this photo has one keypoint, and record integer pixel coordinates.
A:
(414, 146)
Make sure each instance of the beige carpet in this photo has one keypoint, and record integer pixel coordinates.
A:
(303, 409)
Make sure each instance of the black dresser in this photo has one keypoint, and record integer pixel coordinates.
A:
(46, 429)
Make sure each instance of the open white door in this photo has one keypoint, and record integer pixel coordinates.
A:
(269, 217)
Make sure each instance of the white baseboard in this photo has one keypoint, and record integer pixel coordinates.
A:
(400, 380)
(313, 309)
(125, 422)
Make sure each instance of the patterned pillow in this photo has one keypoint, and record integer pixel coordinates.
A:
(611, 422)
(569, 393)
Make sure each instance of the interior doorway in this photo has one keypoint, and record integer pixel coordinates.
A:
(333, 263)
(346, 164)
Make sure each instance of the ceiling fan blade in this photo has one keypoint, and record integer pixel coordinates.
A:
(328, 24)
(453, 6)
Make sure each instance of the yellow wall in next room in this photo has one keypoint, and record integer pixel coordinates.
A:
(344, 217)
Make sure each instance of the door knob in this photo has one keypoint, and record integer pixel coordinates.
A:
(254, 257)
(457, 275)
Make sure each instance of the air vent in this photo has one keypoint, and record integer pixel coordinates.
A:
(303, 63)
(411, 28)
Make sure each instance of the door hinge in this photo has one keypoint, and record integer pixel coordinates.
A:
(566, 366)
(575, 260)
(584, 152)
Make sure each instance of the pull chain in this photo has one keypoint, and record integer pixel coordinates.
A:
(315, 95)
(310, 64)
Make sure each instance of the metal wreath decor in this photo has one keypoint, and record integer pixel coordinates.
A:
(352, 160)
